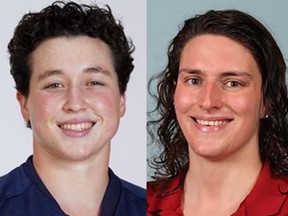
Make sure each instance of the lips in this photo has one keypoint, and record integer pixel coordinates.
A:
(77, 127)
(211, 123)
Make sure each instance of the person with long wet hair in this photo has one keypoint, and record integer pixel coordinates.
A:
(222, 121)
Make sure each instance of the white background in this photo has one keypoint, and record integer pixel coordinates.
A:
(128, 153)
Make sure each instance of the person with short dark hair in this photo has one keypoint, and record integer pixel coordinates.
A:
(71, 64)
(222, 127)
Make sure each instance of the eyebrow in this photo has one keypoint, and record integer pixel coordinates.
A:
(49, 73)
(223, 74)
(97, 70)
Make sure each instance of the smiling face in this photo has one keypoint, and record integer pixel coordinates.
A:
(218, 99)
(74, 103)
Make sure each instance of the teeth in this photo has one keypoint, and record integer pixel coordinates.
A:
(77, 127)
(211, 123)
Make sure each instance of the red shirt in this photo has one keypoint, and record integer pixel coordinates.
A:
(268, 197)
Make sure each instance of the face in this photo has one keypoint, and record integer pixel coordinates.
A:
(74, 103)
(218, 98)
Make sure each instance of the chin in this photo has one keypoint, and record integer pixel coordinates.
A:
(77, 154)
(211, 151)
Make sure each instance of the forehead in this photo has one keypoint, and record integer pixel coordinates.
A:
(217, 53)
(71, 54)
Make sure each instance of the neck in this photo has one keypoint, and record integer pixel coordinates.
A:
(77, 186)
(218, 176)
(220, 182)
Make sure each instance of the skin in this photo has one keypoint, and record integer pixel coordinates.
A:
(74, 106)
(218, 103)
(218, 82)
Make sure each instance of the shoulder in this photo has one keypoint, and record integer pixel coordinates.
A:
(159, 191)
(133, 196)
(153, 194)
(282, 199)
(133, 190)
(164, 196)
(164, 187)
(20, 195)
(123, 198)
(269, 195)
(13, 184)
(152, 190)
(124, 188)
(13, 193)
(132, 200)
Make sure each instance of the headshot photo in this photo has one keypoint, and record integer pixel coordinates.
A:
(217, 108)
(75, 108)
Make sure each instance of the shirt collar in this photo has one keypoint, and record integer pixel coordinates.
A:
(168, 196)
(111, 196)
(31, 172)
(267, 196)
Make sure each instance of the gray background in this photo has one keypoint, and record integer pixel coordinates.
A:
(128, 156)
(165, 17)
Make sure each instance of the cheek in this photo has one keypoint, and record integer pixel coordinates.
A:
(44, 106)
(102, 103)
(183, 100)
(247, 104)
(107, 106)
(106, 102)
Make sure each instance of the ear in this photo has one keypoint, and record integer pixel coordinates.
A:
(262, 110)
(122, 104)
(23, 105)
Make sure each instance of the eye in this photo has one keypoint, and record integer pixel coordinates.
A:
(94, 83)
(54, 86)
(194, 81)
(233, 84)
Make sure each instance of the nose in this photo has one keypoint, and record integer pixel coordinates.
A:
(74, 100)
(210, 97)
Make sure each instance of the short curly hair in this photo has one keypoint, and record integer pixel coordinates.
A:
(249, 32)
(68, 19)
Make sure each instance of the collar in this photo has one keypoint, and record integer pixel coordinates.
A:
(31, 172)
(267, 196)
(111, 197)
(164, 197)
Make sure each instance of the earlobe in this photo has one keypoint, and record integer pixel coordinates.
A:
(263, 112)
(122, 104)
(23, 106)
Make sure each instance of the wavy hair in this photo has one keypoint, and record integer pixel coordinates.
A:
(250, 33)
(68, 19)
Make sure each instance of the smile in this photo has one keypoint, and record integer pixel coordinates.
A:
(215, 123)
(77, 127)
(211, 123)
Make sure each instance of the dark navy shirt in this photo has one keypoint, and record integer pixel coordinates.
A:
(22, 193)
